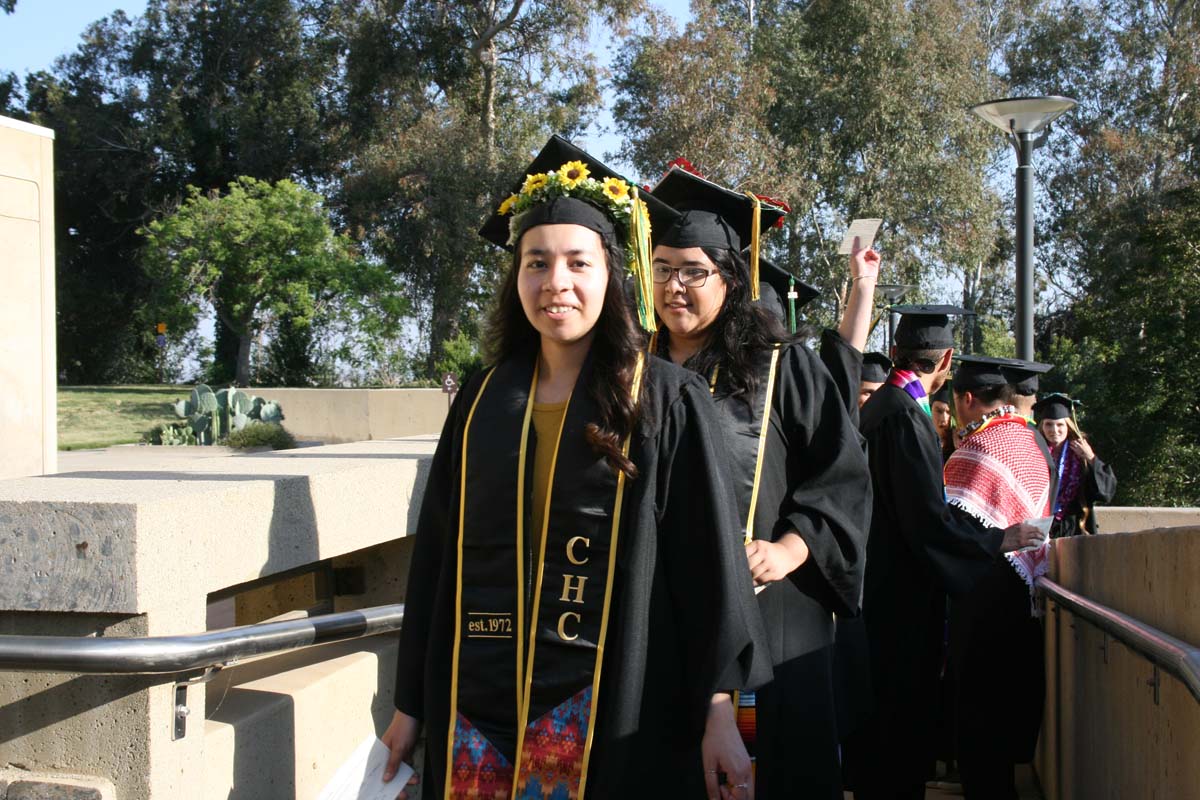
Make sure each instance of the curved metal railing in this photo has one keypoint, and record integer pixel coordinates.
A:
(1173, 655)
(165, 655)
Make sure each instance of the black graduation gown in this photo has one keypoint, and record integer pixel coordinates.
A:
(919, 548)
(814, 480)
(851, 668)
(1099, 485)
(997, 650)
(682, 598)
(844, 363)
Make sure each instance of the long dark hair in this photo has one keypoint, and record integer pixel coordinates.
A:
(614, 353)
(740, 331)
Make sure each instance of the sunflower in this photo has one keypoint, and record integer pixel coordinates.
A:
(534, 182)
(616, 189)
(573, 173)
(507, 205)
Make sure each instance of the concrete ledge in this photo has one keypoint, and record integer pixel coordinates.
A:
(355, 415)
(156, 541)
(282, 726)
(23, 785)
(1130, 519)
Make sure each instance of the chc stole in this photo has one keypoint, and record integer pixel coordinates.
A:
(522, 713)
(999, 476)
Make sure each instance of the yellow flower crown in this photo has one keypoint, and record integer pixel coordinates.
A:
(613, 195)
(573, 179)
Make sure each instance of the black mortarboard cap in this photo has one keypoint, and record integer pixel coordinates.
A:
(773, 284)
(711, 215)
(1054, 406)
(942, 395)
(566, 210)
(981, 372)
(1023, 375)
(926, 327)
(876, 367)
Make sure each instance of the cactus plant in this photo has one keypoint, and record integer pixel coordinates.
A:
(212, 416)
(270, 412)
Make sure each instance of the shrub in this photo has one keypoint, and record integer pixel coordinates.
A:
(261, 434)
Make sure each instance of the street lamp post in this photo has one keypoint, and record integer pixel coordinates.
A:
(1021, 119)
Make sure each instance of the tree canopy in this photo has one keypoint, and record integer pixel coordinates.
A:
(258, 254)
(410, 117)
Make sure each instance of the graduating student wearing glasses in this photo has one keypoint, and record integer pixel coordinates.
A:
(798, 467)
(577, 603)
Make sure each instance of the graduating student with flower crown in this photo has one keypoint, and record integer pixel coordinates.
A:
(578, 603)
(803, 490)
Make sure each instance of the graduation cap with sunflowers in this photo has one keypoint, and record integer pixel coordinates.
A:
(565, 185)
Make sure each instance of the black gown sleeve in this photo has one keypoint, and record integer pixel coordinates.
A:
(844, 363)
(908, 470)
(828, 497)
(432, 538)
(705, 562)
(1102, 483)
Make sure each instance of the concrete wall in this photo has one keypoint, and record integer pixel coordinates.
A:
(356, 415)
(136, 552)
(1105, 736)
(28, 405)
(1127, 519)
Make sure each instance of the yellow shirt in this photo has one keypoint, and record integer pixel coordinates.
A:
(547, 421)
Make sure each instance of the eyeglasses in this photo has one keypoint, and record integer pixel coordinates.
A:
(687, 276)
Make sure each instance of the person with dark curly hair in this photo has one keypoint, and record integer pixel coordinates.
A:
(803, 490)
(578, 608)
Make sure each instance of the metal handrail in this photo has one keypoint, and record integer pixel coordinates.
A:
(164, 655)
(1173, 655)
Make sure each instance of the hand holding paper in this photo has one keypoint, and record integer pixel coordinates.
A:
(862, 230)
(361, 776)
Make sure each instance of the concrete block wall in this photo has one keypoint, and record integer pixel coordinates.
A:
(1105, 734)
(28, 372)
(354, 415)
(158, 542)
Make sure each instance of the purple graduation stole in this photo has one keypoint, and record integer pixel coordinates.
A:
(529, 632)
(912, 386)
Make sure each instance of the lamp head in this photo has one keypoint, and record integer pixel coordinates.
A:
(1023, 114)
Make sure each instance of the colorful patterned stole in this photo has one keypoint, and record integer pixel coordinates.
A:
(522, 712)
(998, 475)
(1070, 477)
(912, 386)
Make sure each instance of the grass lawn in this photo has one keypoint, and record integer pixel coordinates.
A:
(99, 416)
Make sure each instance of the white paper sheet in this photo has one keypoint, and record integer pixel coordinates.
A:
(361, 776)
(864, 230)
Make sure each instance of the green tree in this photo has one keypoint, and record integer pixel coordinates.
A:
(443, 104)
(259, 253)
(106, 166)
(1129, 352)
(844, 109)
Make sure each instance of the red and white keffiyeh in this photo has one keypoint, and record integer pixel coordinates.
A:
(999, 476)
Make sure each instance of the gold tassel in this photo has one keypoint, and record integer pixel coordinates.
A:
(639, 260)
(755, 227)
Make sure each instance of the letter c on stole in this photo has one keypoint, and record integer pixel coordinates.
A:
(571, 550)
(562, 632)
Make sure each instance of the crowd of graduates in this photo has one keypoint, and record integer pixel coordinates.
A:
(668, 550)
